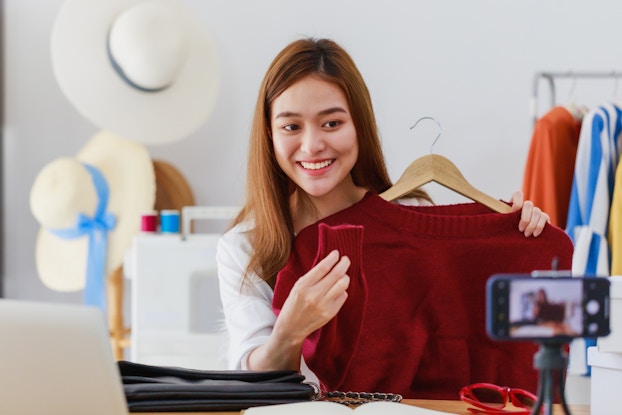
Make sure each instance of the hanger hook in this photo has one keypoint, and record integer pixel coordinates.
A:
(615, 84)
(440, 129)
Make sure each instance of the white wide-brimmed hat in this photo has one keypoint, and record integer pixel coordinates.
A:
(143, 69)
(68, 198)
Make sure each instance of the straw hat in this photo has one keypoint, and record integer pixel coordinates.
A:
(172, 189)
(143, 69)
(65, 188)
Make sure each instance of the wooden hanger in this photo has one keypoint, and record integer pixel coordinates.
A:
(435, 168)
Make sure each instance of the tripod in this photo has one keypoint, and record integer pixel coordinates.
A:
(550, 360)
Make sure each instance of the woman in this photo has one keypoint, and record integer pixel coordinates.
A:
(314, 151)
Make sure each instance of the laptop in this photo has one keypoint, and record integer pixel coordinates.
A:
(56, 359)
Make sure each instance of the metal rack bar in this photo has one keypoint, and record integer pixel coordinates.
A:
(550, 78)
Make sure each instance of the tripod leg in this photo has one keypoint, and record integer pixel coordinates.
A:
(561, 374)
(536, 409)
(549, 391)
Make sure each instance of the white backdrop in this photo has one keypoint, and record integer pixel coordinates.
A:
(470, 64)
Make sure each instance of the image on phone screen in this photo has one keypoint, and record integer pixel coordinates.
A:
(545, 308)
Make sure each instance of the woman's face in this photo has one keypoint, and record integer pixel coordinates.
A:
(314, 137)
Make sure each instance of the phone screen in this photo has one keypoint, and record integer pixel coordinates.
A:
(525, 307)
(545, 308)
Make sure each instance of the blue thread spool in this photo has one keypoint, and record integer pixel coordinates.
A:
(169, 221)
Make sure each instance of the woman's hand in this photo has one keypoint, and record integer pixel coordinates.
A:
(315, 298)
(532, 219)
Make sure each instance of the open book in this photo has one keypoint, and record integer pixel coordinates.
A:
(333, 408)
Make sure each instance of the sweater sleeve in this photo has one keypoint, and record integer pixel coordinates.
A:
(329, 350)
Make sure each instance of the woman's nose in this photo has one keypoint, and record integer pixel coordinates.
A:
(312, 141)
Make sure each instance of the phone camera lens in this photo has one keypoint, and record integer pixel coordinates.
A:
(592, 307)
(592, 328)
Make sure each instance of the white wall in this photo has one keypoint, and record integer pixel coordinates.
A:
(470, 64)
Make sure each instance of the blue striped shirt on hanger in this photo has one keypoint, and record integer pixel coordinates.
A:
(598, 153)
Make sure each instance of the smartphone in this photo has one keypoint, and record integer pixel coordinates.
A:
(527, 307)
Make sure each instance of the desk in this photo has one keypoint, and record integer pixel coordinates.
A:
(452, 407)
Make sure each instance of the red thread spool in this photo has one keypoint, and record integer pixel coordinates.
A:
(149, 222)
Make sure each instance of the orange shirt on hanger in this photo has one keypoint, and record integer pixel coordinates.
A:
(550, 163)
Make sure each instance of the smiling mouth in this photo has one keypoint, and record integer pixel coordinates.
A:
(316, 166)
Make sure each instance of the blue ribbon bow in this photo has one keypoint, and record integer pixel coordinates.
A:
(96, 228)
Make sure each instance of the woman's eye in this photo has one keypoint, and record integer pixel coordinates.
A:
(332, 124)
(291, 127)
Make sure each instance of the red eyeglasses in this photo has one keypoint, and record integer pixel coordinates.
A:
(492, 399)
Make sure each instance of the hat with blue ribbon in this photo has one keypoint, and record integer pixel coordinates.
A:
(144, 69)
(89, 207)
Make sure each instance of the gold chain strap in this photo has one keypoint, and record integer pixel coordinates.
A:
(359, 398)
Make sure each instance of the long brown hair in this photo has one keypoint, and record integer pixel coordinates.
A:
(268, 188)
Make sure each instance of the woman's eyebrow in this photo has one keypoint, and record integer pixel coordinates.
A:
(286, 114)
(331, 110)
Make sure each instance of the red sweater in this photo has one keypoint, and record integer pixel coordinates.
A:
(414, 320)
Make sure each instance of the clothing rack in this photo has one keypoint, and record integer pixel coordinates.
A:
(551, 76)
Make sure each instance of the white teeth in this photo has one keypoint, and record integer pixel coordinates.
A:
(315, 166)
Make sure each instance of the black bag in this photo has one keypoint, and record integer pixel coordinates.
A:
(170, 389)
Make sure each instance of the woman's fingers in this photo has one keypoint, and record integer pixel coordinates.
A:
(321, 269)
(337, 294)
(517, 201)
(532, 220)
(318, 295)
